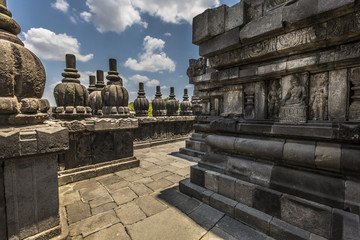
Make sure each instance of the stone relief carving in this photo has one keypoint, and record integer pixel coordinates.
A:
(274, 98)
(293, 105)
(318, 96)
(354, 109)
(259, 49)
(249, 101)
(296, 38)
(196, 67)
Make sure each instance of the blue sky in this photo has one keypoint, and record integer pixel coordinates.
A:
(151, 39)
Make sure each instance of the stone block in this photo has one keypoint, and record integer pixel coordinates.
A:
(194, 190)
(223, 204)
(209, 24)
(206, 216)
(345, 225)
(282, 230)
(327, 5)
(226, 186)
(267, 201)
(337, 99)
(268, 24)
(244, 192)
(328, 156)
(350, 162)
(235, 16)
(52, 139)
(197, 176)
(78, 211)
(253, 218)
(212, 180)
(9, 143)
(301, 153)
(271, 68)
(352, 196)
(300, 63)
(223, 143)
(260, 100)
(300, 10)
(310, 216)
(2, 204)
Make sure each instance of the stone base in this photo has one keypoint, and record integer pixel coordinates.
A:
(293, 114)
(22, 119)
(72, 113)
(95, 170)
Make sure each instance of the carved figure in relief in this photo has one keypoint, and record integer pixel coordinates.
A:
(319, 99)
(296, 95)
(274, 98)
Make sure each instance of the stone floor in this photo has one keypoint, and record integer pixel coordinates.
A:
(145, 203)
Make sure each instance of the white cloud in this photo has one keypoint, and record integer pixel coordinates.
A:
(84, 77)
(167, 34)
(72, 19)
(132, 96)
(124, 80)
(175, 11)
(149, 60)
(51, 46)
(164, 87)
(189, 86)
(61, 5)
(113, 15)
(152, 83)
(86, 16)
(139, 78)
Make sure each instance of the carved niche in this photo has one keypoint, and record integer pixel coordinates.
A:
(274, 98)
(249, 101)
(294, 103)
(354, 109)
(319, 85)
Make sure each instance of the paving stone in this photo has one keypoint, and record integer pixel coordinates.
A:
(217, 234)
(239, 230)
(145, 164)
(175, 178)
(114, 232)
(179, 200)
(112, 178)
(169, 224)
(179, 164)
(130, 213)
(170, 168)
(117, 186)
(134, 177)
(123, 196)
(103, 208)
(140, 189)
(69, 198)
(144, 180)
(93, 224)
(282, 230)
(183, 171)
(125, 173)
(91, 193)
(159, 184)
(152, 171)
(100, 200)
(206, 216)
(78, 211)
(160, 175)
(79, 237)
(149, 205)
(86, 184)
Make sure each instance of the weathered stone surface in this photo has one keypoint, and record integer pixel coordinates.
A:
(149, 205)
(114, 232)
(223, 204)
(282, 230)
(226, 186)
(352, 196)
(3, 233)
(300, 10)
(206, 216)
(169, 224)
(180, 201)
(350, 159)
(244, 192)
(253, 218)
(123, 196)
(302, 153)
(337, 94)
(212, 180)
(235, 16)
(130, 213)
(77, 211)
(328, 156)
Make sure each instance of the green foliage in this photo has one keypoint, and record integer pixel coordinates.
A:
(131, 106)
(150, 110)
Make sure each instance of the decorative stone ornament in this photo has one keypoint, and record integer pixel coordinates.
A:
(196, 105)
(196, 67)
(22, 77)
(92, 82)
(172, 105)
(115, 96)
(185, 106)
(96, 101)
(141, 104)
(71, 97)
(158, 104)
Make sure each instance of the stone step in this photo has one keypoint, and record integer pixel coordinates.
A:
(197, 145)
(199, 136)
(191, 152)
(296, 221)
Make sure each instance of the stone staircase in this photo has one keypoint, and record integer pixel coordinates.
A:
(195, 146)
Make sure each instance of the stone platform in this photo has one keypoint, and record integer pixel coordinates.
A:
(145, 203)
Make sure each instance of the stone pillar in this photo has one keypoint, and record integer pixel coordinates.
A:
(72, 98)
(141, 104)
(158, 104)
(22, 77)
(92, 82)
(172, 105)
(186, 105)
(96, 101)
(114, 95)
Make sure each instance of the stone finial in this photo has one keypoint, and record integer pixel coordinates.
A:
(158, 104)
(141, 104)
(172, 105)
(185, 105)
(115, 96)
(71, 97)
(96, 101)
(92, 82)
(22, 77)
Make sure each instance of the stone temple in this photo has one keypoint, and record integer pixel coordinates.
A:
(267, 148)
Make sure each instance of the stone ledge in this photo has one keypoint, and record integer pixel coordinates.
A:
(86, 172)
(155, 142)
(32, 140)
